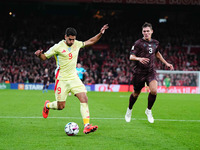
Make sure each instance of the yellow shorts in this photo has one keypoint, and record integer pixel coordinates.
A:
(62, 88)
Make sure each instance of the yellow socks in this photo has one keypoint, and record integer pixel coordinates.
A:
(85, 113)
(52, 105)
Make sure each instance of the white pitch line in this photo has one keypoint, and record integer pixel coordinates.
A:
(124, 96)
(169, 120)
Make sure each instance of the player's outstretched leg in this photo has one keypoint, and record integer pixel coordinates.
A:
(150, 118)
(128, 115)
(45, 111)
(89, 128)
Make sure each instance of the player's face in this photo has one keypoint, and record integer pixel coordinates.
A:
(147, 32)
(70, 40)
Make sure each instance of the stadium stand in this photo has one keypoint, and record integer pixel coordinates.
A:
(21, 35)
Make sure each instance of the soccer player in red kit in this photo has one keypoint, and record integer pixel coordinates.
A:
(143, 53)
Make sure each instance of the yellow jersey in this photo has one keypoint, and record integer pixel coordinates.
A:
(66, 59)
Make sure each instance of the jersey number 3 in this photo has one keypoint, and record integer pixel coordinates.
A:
(70, 56)
(150, 50)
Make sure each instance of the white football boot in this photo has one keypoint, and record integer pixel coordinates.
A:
(128, 115)
(149, 115)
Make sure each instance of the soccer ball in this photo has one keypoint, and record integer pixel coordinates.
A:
(71, 129)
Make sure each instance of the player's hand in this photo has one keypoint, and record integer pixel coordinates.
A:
(170, 66)
(38, 53)
(104, 28)
(144, 60)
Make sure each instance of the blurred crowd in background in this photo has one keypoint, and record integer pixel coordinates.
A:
(21, 36)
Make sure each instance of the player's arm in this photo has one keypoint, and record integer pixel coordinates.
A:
(94, 39)
(39, 54)
(140, 59)
(52, 51)
(160, 57)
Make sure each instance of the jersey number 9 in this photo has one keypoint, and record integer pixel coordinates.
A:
(70, 56)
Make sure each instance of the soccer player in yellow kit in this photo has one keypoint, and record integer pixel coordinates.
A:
(67, 80)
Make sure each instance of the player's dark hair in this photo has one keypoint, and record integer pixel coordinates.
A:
(70, 31)
(146, 24)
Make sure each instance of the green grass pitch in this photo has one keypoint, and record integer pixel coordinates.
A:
(176, 126)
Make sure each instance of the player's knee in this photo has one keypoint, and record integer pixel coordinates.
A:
(61, 106)
(84, 99)
(135, 94)
(153, 92)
